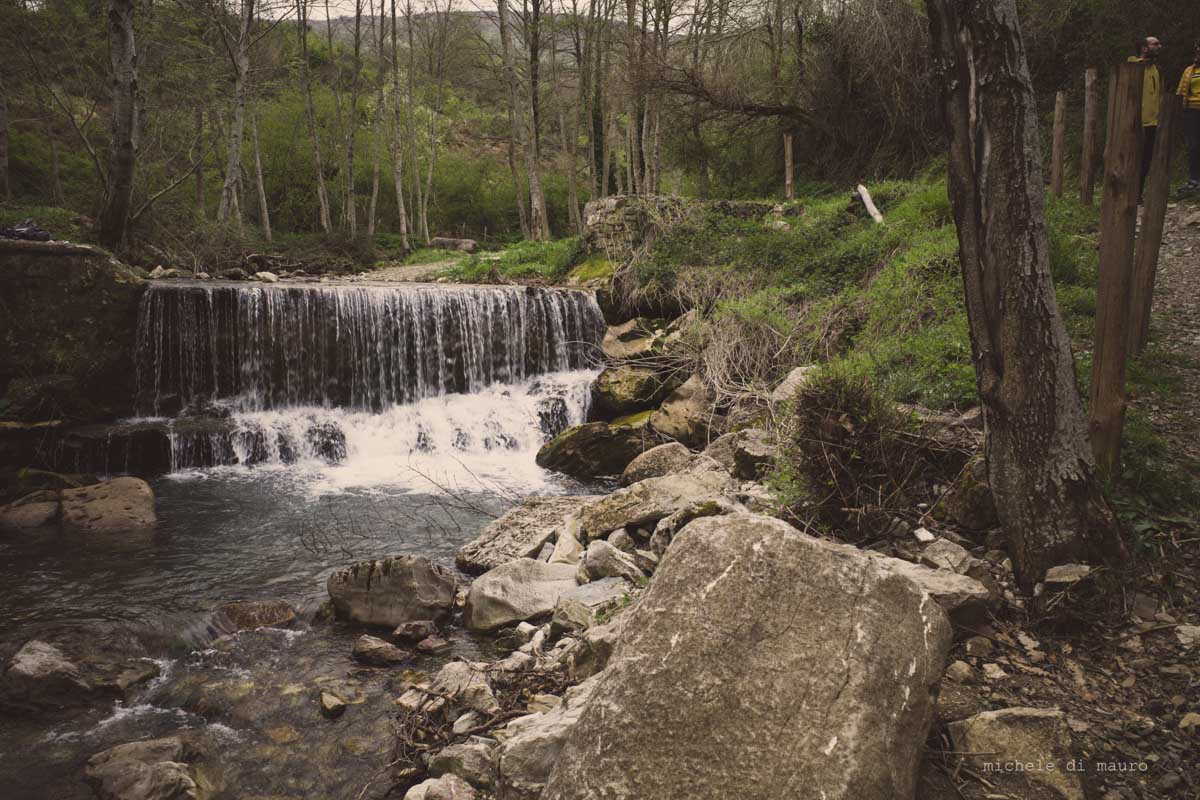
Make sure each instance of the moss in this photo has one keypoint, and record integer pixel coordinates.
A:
(595, 267)
(638, 420)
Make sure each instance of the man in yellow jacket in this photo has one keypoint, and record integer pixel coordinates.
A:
(1147, 53)
(1189, 90)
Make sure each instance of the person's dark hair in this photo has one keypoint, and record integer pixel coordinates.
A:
(1139, 45)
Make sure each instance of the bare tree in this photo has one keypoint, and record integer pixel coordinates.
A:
(264, 212)
(237, 47)
(124, 125)
(310, 116)
(1050, 502)
(397, 138)
(5, 188)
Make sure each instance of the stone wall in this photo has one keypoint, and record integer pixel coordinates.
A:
(68, 320)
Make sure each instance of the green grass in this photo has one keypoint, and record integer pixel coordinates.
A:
(58, 221)
(432, 255)
(523, 262)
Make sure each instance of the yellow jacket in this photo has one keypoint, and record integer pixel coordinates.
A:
(1189, 87)
(1151, 91)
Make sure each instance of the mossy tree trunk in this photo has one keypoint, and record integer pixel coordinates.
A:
(1050, 502)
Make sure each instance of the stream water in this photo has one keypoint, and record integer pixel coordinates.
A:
(355, 422)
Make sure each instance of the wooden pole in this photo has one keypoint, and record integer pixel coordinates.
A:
(1059, 143)
(1091, 109)
(1118, 220)
(788, 167)
(1158, 190)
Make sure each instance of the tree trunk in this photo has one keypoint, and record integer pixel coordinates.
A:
(5, 186)
(539, 220)
(199, 173)
(632, 60)
(240, 54)
(1118, 222)
(1041, 471)
(1058, 146)
(1091, 111)
(351, 207)
(789, 190)
(310, 115)
(398, 144)
(377, 30)
(264, 213)
(417, 203)
(1149, 244)
(122, 153)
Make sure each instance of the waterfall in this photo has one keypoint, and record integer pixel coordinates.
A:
(360, 347)
(365, 379)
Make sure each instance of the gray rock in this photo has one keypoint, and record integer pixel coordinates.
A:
(1066, 574)
(659, 542)
(945, 554)
(433, 645)
(147, 770)
(631, 339)
(708, 507)
(448, 243)
(785, 392)
(746, 454)
(602, 560)
(646, 561)
(377, 652)
(621, 540)
(514, 592)
(40, 675)
(466, 686)
(965, 600)
(266, 277)
(666, 459)
(969, 503)
(758, 658)
(392, 591)
(520, 533)
(535, 743)
(577, 609)
(447, 787)
(567, 547)
(1039, 735)
(686, 414)
(121, 505)
(471, 760)
(595, 648)
(648, 501)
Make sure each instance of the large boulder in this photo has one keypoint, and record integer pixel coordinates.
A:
(965, 600)
(687, 414)
(626, 389)
(666, 459)
(632, 339)
(35, 510)
(597, 449)
(747, 454)
(394, 590)
(118, 506)
(471, 760)
(447, 787)
(155, 769)
(650, 500)
(797, 379)
(1021, 735)
(520, 533)
(40, 675)
(761, 663)
(514, 592)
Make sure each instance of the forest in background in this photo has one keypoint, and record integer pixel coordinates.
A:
(496, 122)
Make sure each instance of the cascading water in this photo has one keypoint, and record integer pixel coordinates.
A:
(374, 378)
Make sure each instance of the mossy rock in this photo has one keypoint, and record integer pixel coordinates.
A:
(623, 390)
(593, 269)
(598, 449)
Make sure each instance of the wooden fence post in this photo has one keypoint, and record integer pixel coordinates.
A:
(1059, 143)
(1149, 243)
(1091, 108)
(1118, 220)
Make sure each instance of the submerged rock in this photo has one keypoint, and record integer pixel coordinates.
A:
(761, 663)
(666, 459)
(597, 449)
(35, 510)
(413, 632)
(332, 706)
(248, 615)
(514, 592)
(377, 652)
(40, 675)
(520, 533)
(392, 591)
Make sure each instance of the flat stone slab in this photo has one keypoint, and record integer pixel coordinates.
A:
(520, 533)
